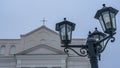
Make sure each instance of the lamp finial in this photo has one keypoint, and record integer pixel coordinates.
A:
(95, 28)
(64, 19)
(104, 5)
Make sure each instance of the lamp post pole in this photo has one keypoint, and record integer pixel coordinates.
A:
(95, 41)
(92, 53)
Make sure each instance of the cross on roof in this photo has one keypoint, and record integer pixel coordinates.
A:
(43, 21)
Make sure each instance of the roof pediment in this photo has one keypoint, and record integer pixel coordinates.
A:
(41, 49)
(38, 29)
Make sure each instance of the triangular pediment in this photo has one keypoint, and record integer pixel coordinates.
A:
(42, 28)
(42, 49)
(41, 41)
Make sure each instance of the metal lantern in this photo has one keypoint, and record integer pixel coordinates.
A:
(107, 19)
(65, 29)
(97, 35)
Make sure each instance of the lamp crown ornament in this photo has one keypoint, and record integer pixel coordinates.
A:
(64, 19)
(104, 5)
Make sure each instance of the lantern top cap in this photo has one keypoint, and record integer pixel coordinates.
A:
(96, 32)
(65, 22)
(104, 9)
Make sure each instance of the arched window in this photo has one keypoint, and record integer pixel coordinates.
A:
(2, 49)
(12, 49)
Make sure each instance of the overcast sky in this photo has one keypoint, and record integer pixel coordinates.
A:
(22, 16)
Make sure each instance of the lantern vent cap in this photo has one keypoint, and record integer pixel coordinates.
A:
(96, 32)
(104, 9)
(66, 23)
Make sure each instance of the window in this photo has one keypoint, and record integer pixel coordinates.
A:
(12, 49)
(2, 49)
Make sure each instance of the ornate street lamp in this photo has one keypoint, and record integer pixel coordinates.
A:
(107, 19)
(97, 35)
(95, 41)
(65, 29)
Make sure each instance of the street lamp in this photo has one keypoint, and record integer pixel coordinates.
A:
(107, 19)
(97, 35)
(65, 29)
(96, 41)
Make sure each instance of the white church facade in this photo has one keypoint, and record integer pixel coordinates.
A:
(40, 48)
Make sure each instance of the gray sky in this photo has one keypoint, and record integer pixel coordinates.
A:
(22, 16)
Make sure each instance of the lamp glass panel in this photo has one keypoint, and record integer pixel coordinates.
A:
(113, 20)
(102, 43)
(106, 18)
(96, 37)
(102, 23)
(69, 32)
(62, 32)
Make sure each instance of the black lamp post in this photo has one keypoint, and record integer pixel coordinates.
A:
(95, 41)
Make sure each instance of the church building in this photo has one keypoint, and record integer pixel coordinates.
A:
(40, 48)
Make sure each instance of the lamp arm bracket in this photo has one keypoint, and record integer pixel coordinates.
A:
(75, 46)
(107, 37)
(83, 51)
(112, 39)
(103, 47)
